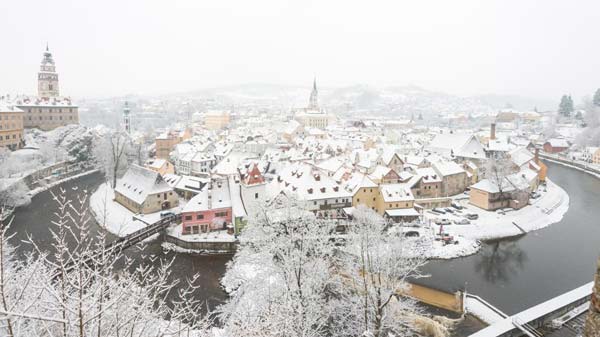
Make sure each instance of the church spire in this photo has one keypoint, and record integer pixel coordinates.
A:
(313, 103)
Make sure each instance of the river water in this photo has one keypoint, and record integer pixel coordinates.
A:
(512, 274)
(35, 220)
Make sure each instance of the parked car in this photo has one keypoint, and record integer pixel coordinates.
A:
(472, 216)
(462, 222)
(438, 210)
(449, 210)
(442, 221)
(456, 206)
(167, 214)
(412, 234)
(535, 195)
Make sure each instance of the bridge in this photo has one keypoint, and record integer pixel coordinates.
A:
(550, 314)
(127, 241)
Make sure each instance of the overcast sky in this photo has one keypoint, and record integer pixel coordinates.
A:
(115, 47)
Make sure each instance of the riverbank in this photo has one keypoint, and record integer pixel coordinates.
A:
(114, 217)
(591, 169)
(544, 211)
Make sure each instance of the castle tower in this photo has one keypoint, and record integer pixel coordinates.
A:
(592, 324)
(313, 103)
(127, 118)
(47, 77)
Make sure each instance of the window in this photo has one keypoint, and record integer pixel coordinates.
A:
(188, 217)
(221, 214)
(255, 195)
(199, 216)
(357, 199)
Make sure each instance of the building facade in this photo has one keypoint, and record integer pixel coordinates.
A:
(48, 110)
(11, 127)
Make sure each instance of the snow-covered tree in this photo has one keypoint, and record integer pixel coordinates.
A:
(566, 107)
(111, 154)
(376, 263)
(80, 289)
(496, 171)
(294, 276)
(596, 99)
(280, 275)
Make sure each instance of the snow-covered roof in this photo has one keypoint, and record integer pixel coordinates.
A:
(139, 182)
(191, 183)
(218, 197)
(379, 172)
(156, 163)
(396, 192)
(357, 181)
(457, 144)
(402, 212)
(558, 142)
(307, 183)
(447, 168)
(27, 101)
(520, 156)
(429, 175)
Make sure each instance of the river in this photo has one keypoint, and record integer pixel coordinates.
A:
(35, 220)
(512, 274)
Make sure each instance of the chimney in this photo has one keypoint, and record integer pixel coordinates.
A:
(493, 131)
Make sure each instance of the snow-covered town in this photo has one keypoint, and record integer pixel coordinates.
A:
(307, 209)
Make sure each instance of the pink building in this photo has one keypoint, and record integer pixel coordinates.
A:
(208, 210)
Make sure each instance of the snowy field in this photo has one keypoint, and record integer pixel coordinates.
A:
(544, 211)
(114, 217)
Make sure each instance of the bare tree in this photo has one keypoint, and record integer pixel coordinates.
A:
(496, 171)
(111, 155)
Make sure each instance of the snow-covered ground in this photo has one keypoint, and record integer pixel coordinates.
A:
(482, 310)
(116, 218)
(58, 182)
(436, 249)
(544, 211)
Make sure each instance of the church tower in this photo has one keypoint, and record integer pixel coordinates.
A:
(313, 103)
(127, 118)
(47, 77)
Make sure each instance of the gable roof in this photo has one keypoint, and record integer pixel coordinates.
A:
(139, 182)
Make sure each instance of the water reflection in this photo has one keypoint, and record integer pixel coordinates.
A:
(499, 260)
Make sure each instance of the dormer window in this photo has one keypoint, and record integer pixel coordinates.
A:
(322, 189)
(310, 191)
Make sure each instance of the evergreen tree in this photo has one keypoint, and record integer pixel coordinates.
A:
(565, 107)
(596, 99)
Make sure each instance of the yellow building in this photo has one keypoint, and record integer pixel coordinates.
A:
(142, 190)
(394, 196)
(11, 127)
(216, 120)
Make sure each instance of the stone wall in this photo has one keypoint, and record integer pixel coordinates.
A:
(211, 247)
